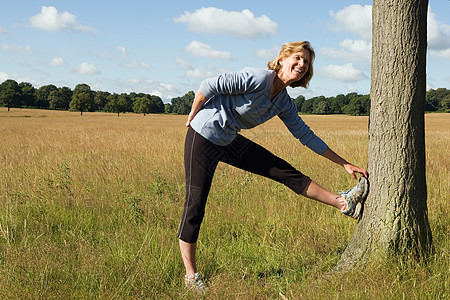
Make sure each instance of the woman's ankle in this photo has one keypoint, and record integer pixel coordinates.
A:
(190, 274)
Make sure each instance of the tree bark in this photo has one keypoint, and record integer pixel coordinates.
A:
(395, 220)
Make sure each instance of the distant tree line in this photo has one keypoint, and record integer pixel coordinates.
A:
(83, 99)
(350, 104)
(358, 105)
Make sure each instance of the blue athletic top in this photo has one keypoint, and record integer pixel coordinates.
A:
(241, 100)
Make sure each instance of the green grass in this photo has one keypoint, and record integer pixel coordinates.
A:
(90, 208)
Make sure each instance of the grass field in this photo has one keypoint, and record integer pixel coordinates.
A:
(90, 206)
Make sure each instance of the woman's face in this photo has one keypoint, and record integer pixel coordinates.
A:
(295, 66)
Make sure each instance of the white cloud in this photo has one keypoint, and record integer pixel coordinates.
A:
(242, 24)
(192, 72)
(352, 89)
(157, 93)
(16, 48)
(199, 73)
(183, 64)
(164, 90)
(122, 50)
(167, 86)
(352, 50)
(85, 68)
(141, 81)
(441, 53)
(3, 76)
(3, 30)
(359, 49)
(354, 18)
(438, 35)
(50, 20)
(57, 61)
(343, 73)
(133, 64)
(107, 55)
(199, 49)
(134, 81)
(268, 54)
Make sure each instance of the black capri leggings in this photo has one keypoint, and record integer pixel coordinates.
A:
(200, 160)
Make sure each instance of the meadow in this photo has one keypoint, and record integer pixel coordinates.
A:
(90, 207)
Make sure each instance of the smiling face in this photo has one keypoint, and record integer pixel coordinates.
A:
(294, 67)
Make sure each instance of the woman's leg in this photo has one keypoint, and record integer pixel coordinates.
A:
(200, 159)
(188, 255)
(318, 193)
(247, 155)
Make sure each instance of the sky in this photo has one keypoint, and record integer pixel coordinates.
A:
(166, 48)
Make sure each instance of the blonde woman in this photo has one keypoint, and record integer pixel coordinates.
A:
(230, 102)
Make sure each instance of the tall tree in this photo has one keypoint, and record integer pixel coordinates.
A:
(182, 105)
(337, 103)
(321, 106)
(10, 94)
(118, 104)
(307, 106)
(100, 99)
(159, 104)
(28, 98)
(42, 95)
(445, 103)
(82, 99)
(56, 100)
(395, 220)
(143, 105)
(82, 87)
(359, 105)
(299, 102)
(66, 94)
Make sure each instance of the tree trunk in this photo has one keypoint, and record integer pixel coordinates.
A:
(395, 220)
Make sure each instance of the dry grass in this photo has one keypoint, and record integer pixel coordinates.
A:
(90, 205)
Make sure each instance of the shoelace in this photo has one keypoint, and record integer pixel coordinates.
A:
(353, 195)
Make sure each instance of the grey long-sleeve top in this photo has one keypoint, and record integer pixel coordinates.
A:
(241, 100)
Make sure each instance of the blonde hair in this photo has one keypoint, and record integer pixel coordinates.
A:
(287, 50)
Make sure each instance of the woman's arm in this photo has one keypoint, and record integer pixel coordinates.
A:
(197, 105)
(351, 169)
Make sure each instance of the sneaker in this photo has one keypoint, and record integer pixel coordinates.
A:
(355, 198)
(195, 282)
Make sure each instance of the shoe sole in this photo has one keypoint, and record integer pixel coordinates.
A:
(358, 206)
(366, 186)
(357, 212)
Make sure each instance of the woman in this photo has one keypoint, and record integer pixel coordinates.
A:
(230, 102)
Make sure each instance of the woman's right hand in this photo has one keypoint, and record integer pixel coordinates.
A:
(190, 118)
(197, 105)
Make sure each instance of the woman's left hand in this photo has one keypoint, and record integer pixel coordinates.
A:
(352, 170)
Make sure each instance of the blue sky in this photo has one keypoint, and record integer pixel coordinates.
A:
(167, 48)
